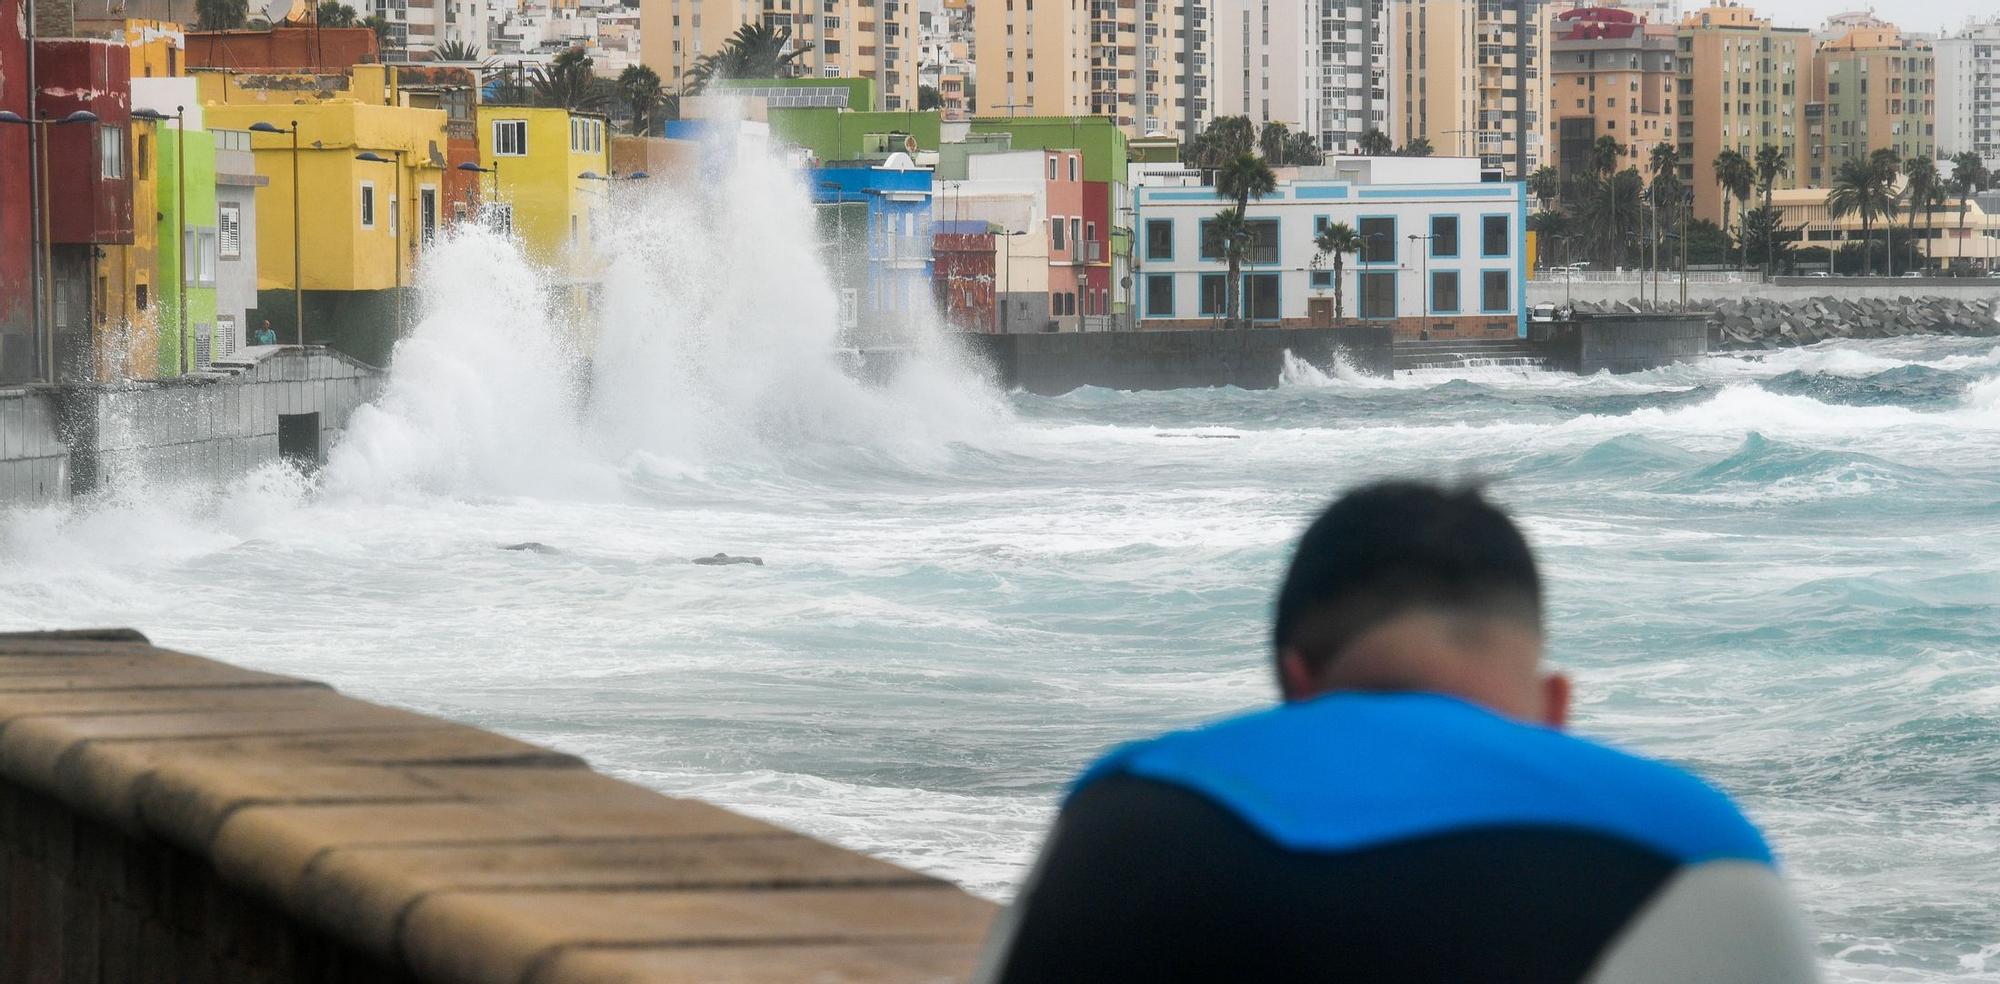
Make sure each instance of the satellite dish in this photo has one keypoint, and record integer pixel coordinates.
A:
(1125, 281)
(278, 11)
(910, 143)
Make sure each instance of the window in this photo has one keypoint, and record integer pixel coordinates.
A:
(510, 138)
(367, 204)
(1052, 169)
(1378, 239)
(1260, 296)
(1072, 167)
(1322, 278)
(1263, 241)
(1444, 235)
(1493, 235)
(1214, 293)
(1076, 241)
(1378, 295)
(1444, 292)
(1493, 291)
(111, 151)
(1056, 233)
(1159, 295)
(229, 227)
(1159, 239)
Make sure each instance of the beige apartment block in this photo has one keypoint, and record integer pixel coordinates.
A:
(1470, 77)
(872, 39)
(1740, 83)
(1610, 75)
(1871, 87)
(1141, 62)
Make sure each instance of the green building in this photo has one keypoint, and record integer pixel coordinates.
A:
(186, 257)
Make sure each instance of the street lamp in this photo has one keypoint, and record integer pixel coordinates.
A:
(1424, 285)
(298, 278)
(186, 360)
(494, 170)
(44, 280)
(395, 221)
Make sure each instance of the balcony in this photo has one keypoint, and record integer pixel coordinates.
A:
(1081, 252)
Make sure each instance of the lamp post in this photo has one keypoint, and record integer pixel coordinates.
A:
(395, 221)
(298, 278)
(1424, 285)
(186, 359)
(494, 170)
(44, 280)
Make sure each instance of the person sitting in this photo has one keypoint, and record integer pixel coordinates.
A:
(265, 336)
(1411, 811)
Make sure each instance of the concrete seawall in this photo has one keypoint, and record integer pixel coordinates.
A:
(1783, 289)
(1050, 364)
(169, 818)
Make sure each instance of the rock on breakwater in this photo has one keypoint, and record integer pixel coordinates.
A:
(1759, 323)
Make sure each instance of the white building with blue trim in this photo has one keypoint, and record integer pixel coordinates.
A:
(1443, 252)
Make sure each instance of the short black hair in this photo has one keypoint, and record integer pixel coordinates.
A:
(1391, 547)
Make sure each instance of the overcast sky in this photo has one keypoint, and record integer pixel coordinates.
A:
(1920, 15)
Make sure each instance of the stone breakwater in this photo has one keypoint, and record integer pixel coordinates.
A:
(1759, 323)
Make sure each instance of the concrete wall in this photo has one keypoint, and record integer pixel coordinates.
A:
(195, 429)
(1055, 363)
(168, 818)
(1783, 289)
(34, 462)
(1621, 343)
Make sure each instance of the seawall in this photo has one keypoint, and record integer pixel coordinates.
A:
(1780, 289)
(1050, 364)
(278, 402)
(1621, 343)
(165, 817)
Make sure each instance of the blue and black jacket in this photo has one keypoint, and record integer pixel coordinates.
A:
(1397, 837)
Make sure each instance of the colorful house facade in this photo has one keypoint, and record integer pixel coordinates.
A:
(538, 157)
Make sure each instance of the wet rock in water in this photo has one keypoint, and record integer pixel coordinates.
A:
(531, 546)
(723, 559)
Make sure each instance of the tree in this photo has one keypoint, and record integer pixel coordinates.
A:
(1225, 139)
(1545, 183)
(333, 13)
(1856, 190)
(1420, 147)
(567, 82)
(1706, 244)
(755, 51)
(1922, 175)
(1228, 235)
(1336, 240)
(220, 15)
(1735, 176)
(1241, 180)
(1768, 165)
(1763, 232)
(1968, 177)
(1604, 155)
(1374, 143)
(1664, 162)
(1550, 226)
(380, 25)
(456, 51)
(1888, 167)
(1302, 149)
(928, 98)
(1607, 212)
(640, 90)
(1271, 142)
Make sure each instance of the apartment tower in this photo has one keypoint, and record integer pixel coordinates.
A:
(1470, 78)
(871, 39)
(1317, 66)
(1611, 74)
(1871, 88)
(1968, 92)
(1143, 63)
(1739, 83)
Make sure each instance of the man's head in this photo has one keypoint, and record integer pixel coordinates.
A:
(1408, 586)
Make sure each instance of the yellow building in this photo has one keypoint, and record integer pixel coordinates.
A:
(540, 156)
(361, 221)
(1944, 239)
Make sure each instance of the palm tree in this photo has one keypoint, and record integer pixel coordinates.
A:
(1336, 240)
(1420, 147)
(1545, 183)
(1241, 180)
(1664, 161)
(1604, 155)
(1224, 139)
(456, 51)
(1374, 143)
(333, 13)
(1734, 175)
(1968, 176)
(568, 82)
(1271, 142)
(755, 51)
(1922, 175)
(1303, 149)
(220, 15)
(639, 87)
(1769, 165)
(1228, 235)
(1888, 167)
(1856, 190)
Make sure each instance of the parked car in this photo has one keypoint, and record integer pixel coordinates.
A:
(1545, 311)
(1820, 275)
(1912, 275)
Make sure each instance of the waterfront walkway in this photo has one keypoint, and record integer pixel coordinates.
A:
(168, 817)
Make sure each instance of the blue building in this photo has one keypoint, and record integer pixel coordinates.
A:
(876, 220)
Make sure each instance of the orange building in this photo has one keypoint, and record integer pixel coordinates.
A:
(1611, 74)
(1740, 83)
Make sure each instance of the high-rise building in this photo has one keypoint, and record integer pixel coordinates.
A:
(1317, 66)
(1611, 74)
(1660, 12)
(1968, 92)
(1740, 83)
(1872, 88)
(849, 38)
(1143, 63)
(1469, 77)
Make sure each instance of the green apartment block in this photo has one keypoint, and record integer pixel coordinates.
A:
(186, 257)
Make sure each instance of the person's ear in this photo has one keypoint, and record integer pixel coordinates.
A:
(1555, 700)
(1296, 680)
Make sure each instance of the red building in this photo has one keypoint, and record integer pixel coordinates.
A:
(330, 50)
(89, 181)
(962, 273)
(1095, 282)
(17, 321)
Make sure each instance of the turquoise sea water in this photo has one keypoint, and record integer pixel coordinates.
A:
(1782, 571)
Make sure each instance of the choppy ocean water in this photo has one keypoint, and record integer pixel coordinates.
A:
(1780, 570)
